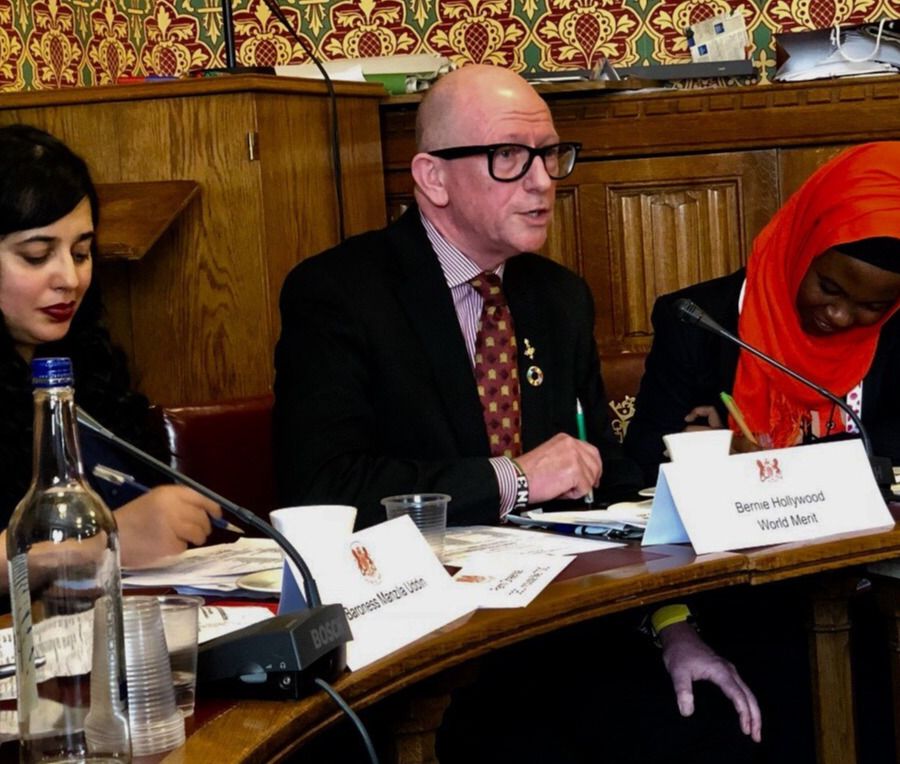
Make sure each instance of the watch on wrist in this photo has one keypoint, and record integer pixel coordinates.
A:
(521, 487)
(664, 617)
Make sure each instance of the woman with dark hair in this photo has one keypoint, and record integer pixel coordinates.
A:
(819, 294)
(48, 213)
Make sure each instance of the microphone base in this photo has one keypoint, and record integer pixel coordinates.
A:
(280, 657)
(883, 471)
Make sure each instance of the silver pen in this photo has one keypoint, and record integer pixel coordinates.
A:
(121, 478)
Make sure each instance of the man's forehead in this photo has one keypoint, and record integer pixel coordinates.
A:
(512, 122)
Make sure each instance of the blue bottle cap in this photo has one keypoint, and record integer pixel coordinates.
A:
(51, 372)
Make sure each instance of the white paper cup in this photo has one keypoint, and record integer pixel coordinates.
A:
(698, 445)
(316, 531)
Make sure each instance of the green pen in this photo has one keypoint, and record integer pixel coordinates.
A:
(582, 435)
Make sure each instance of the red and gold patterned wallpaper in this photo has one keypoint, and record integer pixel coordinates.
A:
(69, 43)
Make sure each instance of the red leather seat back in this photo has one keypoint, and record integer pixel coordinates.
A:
(227, 446)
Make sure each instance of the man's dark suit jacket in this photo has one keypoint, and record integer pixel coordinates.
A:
(374, 390)
(689, 367)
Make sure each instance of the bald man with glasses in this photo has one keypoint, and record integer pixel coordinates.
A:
(383, 382)
(440, 354)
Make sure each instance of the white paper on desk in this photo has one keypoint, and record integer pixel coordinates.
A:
(461, 543)
(341, 71)
(812, 55)
(393, 589)
(214, 567)
(635, 513)
(354, 69)
(66, 641)
(508, 580)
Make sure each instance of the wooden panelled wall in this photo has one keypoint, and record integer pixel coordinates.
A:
(673, 186)
(198, 314)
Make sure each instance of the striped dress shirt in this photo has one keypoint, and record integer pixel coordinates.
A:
(458, 271)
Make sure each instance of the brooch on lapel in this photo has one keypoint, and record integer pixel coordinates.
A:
(534, 374)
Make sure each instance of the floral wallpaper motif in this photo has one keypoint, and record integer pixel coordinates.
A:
(70, 43)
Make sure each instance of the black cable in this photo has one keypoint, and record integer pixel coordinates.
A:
(228, 31)
(241, 513)
(345, 707)
(335, 133)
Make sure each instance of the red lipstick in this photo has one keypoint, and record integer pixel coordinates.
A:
(60, 312)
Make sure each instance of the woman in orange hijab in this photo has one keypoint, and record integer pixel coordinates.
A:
(819, 295)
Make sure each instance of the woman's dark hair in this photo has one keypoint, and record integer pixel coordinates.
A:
(42, 181)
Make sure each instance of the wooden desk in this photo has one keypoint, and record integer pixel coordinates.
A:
(829, 638)
(596, 584)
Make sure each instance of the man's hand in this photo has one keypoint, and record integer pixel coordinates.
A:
(163, 522)
(561, 468)
(689, 659)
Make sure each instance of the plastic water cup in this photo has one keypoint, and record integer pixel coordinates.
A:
(427, 510)
(156, 723)
(180, 616)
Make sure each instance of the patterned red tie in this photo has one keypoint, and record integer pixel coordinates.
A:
(496, 369)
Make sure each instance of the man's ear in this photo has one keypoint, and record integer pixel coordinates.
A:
(428, 174)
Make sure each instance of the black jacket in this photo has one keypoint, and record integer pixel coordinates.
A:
(374, 390)
(689, 367)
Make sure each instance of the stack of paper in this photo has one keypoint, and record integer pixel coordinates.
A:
(212, 569)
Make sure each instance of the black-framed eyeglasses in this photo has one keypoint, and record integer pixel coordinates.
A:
(510, 161)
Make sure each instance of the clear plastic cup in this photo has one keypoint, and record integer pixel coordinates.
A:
(427, 510)
(181, 618)
(156, 723)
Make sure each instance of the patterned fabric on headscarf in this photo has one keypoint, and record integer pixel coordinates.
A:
(854, 196)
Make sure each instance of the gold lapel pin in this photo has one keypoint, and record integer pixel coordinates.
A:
(529, 349)
(534, 375)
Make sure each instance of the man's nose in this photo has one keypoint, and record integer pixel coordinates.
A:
(537, 177)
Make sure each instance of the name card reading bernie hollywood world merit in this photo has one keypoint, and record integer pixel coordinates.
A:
(723, 502)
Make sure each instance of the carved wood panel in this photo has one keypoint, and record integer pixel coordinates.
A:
(651, 227)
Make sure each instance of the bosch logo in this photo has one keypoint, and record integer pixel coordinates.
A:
(327, 633)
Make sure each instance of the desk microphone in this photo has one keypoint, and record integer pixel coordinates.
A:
(690, 313)
(278, 657)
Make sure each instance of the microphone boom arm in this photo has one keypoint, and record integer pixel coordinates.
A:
(691, 313)
(867, 444)
(243, 514)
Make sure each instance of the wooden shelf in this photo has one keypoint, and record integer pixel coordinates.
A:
(133, 216)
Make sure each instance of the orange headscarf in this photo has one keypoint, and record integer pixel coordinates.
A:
(854, 196)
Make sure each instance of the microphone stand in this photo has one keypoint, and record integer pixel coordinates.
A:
(690, 313)
(231, 65)
(273, 656)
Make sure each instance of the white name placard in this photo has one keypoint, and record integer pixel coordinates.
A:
(722, 502)
(393, 589)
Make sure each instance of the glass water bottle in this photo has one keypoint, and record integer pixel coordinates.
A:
(66, 595)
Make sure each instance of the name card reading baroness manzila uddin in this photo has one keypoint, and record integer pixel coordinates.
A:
(720, 502)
